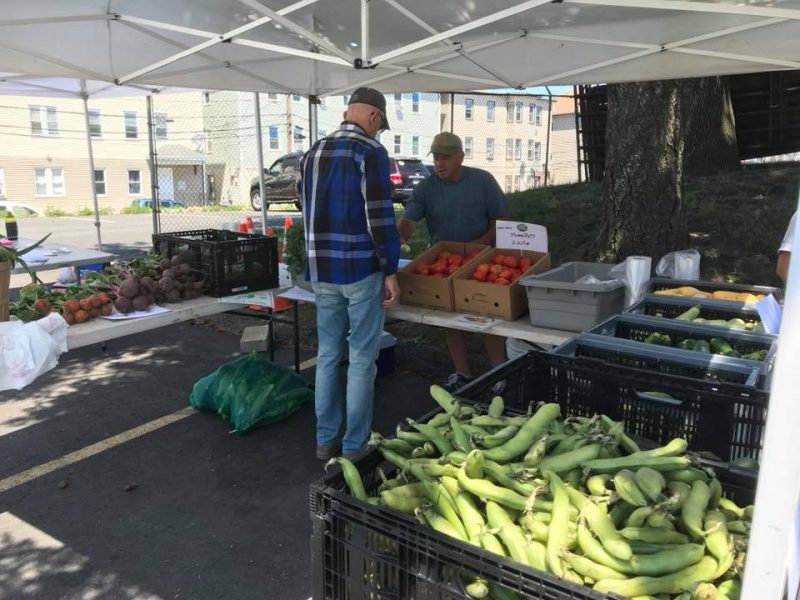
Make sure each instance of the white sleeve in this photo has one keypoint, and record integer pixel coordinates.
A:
(788, 238)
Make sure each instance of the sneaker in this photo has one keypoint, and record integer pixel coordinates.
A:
(357, 455)
(456, 381)
(500, 387)
(328, 451)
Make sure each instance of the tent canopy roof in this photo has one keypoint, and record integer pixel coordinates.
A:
(310, 47)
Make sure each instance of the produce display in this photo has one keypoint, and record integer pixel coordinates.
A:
(122, 286)
(692, 315)
(446, 264)
(691, 292)
(502, 269)
(575, 497)
(715, 345)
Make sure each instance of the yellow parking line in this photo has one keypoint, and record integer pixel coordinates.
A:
(101, 446)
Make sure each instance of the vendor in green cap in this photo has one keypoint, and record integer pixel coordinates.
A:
(459, 204)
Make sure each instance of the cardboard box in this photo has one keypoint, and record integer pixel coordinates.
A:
(507, 302)
(428, 291)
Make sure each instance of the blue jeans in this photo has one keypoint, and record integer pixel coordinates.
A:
(356, 307)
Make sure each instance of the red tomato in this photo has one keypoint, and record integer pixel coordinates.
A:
(452, 269)
(480, 275)
(524, 263)
(498, 259)
(515, 274)
(482, 267)
(422, 269)
(511, 262)
(501, 281)
(491, 277)
(438, 267)
(440, 275)
(443, 255)
(456, 259)
(495, 268)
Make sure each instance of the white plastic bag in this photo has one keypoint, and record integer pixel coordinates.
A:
(635, 272)
(29, 349)
(682, 264)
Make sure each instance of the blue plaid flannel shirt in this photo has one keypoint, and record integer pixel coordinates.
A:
(348, 214)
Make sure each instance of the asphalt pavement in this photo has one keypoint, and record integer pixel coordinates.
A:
(111, 488)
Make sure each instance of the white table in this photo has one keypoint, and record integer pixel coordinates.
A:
(75, 258)
(101, 330)
(521, 328)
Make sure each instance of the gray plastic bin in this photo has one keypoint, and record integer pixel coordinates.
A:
(557, 302)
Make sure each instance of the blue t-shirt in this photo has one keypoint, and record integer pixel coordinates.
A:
(458, 211)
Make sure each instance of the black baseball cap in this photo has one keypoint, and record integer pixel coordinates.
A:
(371, 96)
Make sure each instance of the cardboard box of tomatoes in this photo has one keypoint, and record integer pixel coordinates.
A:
(428, 280)
(490, 284)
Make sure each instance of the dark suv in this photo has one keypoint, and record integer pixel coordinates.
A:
(405, 174)
(280, 182)
(281, 179)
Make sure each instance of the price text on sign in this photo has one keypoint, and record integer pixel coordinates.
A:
(514, 235)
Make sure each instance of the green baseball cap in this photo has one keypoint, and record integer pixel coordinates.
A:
(446, 143)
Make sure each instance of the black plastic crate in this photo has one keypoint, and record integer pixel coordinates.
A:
(231, 262)
(637, 328)
(727, 420)
(663, 359)
(670, 307)
(360, 551)
(664, 283)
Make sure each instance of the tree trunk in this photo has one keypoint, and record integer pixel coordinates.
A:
(709, 130)
(643, 181)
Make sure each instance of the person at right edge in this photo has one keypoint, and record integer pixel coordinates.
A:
(352, 249)
(459, 204)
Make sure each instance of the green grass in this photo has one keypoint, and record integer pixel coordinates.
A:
(736, 221)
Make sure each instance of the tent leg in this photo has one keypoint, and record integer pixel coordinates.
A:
(260, 154)
(85, 97)
(155, 206)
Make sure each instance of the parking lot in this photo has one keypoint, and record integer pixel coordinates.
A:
(111, 487)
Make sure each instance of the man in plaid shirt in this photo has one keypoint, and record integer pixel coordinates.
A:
(353, 247)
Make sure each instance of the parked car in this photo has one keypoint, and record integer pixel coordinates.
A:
(19, 210)
(405, 174)
(280, 182)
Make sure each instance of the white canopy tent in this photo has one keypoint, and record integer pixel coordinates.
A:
(326, 47)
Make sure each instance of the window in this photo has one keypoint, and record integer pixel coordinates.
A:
(398, 144)
(508, 183)
(516, 183)
(297, 137)
(490, 111)
(322, 133)
(415, 145)
(538, 115)
(468, 147)
(134, 181)
(272, 96)
(415, 102)
(398, 101)
(160, 122)
(530, 149)
(100, 182)
(295, 98)
(518, 149)
(469, 104)
(531, 113)
(273, 137)
(509, 112)
(345, 99)
(49, 181)
(489, 148)
(537, 151)
(509, 149)
(44, 120)
(518, 112)
(2, 182)
(206, 98)
(131, 128)
(95, 128)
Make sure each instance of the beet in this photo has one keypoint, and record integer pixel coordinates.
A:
(173, 296)
(129, 288)
(165, 284)
(185, 268)
(169, 273)
(176, 260)
(123, 304)
(165, 264)
(140, 303)
(147, 283)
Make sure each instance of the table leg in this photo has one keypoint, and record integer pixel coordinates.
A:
(77, 270)
(296, 327)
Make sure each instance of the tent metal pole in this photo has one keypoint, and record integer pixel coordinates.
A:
(365, 31)
(547, 143)
(313, 119)
(85, 98)
(154, 204)
(260, 158)
(452, 110)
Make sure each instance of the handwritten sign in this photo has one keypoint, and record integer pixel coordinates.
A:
(513, 235)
